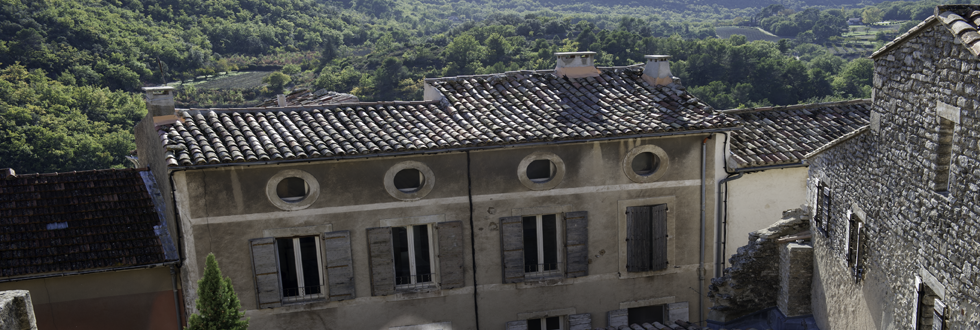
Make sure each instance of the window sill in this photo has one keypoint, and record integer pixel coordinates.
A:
(416, 288)
(290, 302)
(623, 274)
(533, 282)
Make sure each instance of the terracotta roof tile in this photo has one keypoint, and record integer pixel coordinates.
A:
(64, 222)
(478, 111)
(784, 135)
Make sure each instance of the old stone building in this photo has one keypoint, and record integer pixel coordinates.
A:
(571, 198)
(895, 204)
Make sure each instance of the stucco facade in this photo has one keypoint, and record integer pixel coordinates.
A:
(756, 198)
(222, 208)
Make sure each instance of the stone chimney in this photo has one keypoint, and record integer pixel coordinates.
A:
(281, 99)
(657, 70)
(160, 100)
(7, 173)
(576, 65)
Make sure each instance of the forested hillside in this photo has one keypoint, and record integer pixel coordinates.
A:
(70, 70)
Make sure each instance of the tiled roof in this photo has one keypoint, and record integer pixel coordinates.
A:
(306, 97)
(67, 222)
(477, 112)
(963, 21)
(784, 135)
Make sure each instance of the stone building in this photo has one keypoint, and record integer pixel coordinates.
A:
(895, 204)
(91, 247)
(571, 198)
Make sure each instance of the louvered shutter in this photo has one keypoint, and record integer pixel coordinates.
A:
(678, 312)
(266, 272)
(580, 321)
(577, 243)
(451, 271)
(617, 318)
(512, 249)
(938, 315)
(825, 210)
(340, 265)
(658, 216)
(638, 244)
(516, 325)
(857, 252)
(382, 261)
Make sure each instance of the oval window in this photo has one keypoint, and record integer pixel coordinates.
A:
(541, 170)
(409, 180)
(645, 163)
(292, 190)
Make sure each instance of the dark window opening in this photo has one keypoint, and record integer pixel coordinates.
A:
(548, 323)
(409, 180)
(823, 209)
(855, 247)
(930, 314)
(541, 170)
(302, 281)
(411, 248)
(645, 163)
(944, 153)
(647, 314)
(292, 189)
(540, 243)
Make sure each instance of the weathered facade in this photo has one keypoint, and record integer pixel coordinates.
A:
(895, 205)
(577, 198)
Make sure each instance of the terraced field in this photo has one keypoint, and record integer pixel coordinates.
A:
(235, 80)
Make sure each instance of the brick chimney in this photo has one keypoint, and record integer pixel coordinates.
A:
(576, 65)
(657, 70)
(160, 100)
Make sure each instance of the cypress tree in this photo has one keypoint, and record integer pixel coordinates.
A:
(217, 304)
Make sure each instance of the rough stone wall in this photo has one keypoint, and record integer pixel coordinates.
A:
(16, 311)
(751, 284)
(887, 174)
(795, 276)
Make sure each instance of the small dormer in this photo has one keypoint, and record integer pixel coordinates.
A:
(576, 65)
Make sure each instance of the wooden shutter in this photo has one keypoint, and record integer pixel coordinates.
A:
(266, 272)
(512, 249)
(938, 315)
(577, 243)
(638, 244)
(658, 215)
(857, 252)
(451, 271)
(516, 325)
(677, 312)
(382, 261)
(580, 321)
(617, 318)
(340, 265)
(824, 208)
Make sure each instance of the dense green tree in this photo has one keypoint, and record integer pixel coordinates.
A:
(276, 81)
(218, 307)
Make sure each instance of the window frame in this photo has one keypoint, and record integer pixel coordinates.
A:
(559, 270)
(301, 297)
(562, 322)
(412, 255)
(823, 208)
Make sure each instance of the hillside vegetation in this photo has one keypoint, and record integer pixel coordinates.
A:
(57, 56)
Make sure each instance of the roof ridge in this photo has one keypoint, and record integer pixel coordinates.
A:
(542, 71)
(795, 106)
(309, 107)
(107, 170)
(904, 36)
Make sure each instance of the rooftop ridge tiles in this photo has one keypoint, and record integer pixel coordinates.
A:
(794, 107)
(194, 111)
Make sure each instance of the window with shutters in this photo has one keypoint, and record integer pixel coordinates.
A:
(413, 256)
(646, 238)
(823, 209)
(544, 246)
(299, 268)
(930, 310)
(541, 249)
(855, 246)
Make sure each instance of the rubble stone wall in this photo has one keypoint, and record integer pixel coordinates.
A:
(751, 284)
(887, 174)
(16, 310)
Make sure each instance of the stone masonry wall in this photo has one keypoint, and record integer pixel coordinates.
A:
(751, 284)
(911, 230)
(16, 311)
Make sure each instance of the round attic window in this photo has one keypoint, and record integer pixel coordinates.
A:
(541, 171)
(645, 163)
(409, 180)
(292, 190)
